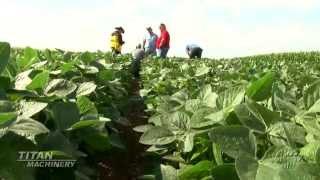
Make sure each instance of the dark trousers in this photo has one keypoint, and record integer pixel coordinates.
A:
(195, 53)
(162, 52)
(115, 52)
(135, 67)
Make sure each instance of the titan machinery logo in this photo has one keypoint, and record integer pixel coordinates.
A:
(36, 159)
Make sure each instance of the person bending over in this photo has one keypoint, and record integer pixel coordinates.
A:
(137, 55)
(194, 51)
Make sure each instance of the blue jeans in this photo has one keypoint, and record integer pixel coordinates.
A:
(162, 52)
(150, 52)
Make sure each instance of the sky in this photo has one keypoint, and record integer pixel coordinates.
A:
(223, 28)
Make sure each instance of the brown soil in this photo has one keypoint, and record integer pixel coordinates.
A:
(129, 164)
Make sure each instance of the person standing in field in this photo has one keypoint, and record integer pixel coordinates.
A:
(163, 42)
(194, 51)
(149, 42)
(137, 55)
(117, 41)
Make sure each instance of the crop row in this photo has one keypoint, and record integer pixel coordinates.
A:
(252, 118)
(62, 103)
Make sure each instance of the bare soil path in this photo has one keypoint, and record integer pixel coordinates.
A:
(129, 164)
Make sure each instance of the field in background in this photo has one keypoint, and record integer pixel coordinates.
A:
(251, 118)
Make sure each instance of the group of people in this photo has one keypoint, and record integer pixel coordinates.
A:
(152, 45)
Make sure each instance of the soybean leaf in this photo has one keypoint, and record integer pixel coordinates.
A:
(142, 128)
(28, 128)
(197, 171)
(208, 97)
(247, 167)
(180, 96)
(204, 117)
(188, 142)
(315, 108)
(57, 141)
(256, 116)
(226, 171)
(87, 123)
(22, 80)
(40, 81)
(27, 109)
(234, 139)
(311, 152)
(86, 89)
(286, 107)
(60, 88)
(157, 136)
(6, 106)
(30, 57)
(311, 94)
(192, 105)
(86, 106)
(312, 126)
(278, 163)
(260, 89)
(202, 70)
(287, 133)
(11, 144)
(229, 98)
(262, 113)
(168, 172)
(6, 118)
(4, 55)
(65, 114)
(250, 121)
(5, 83)
(96, 139)
(178, 122)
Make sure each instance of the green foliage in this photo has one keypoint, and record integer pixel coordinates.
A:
(157, 136)
(29, 57)
(60, 88)
(65, 114)
(39, 82)
(55, 101)
(4, 55)
(251, 118)
(261, 89)
(198, 171)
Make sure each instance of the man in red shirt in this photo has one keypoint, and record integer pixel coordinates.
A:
(163, 42)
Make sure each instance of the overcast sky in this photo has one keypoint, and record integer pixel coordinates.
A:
(224, 28)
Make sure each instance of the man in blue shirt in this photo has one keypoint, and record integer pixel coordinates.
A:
(194, 51)
(149, 42)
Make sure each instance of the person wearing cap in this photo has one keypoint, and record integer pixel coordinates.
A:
(116, 40)
(149, 42)
(194, 51)
(163, 42)
(137, 55)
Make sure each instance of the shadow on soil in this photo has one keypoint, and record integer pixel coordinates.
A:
(129, 164)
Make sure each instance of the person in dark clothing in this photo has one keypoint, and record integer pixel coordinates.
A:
(117, 41)
(194, 51)
(137, 55)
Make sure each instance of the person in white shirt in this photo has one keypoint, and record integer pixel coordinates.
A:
(149, 42)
